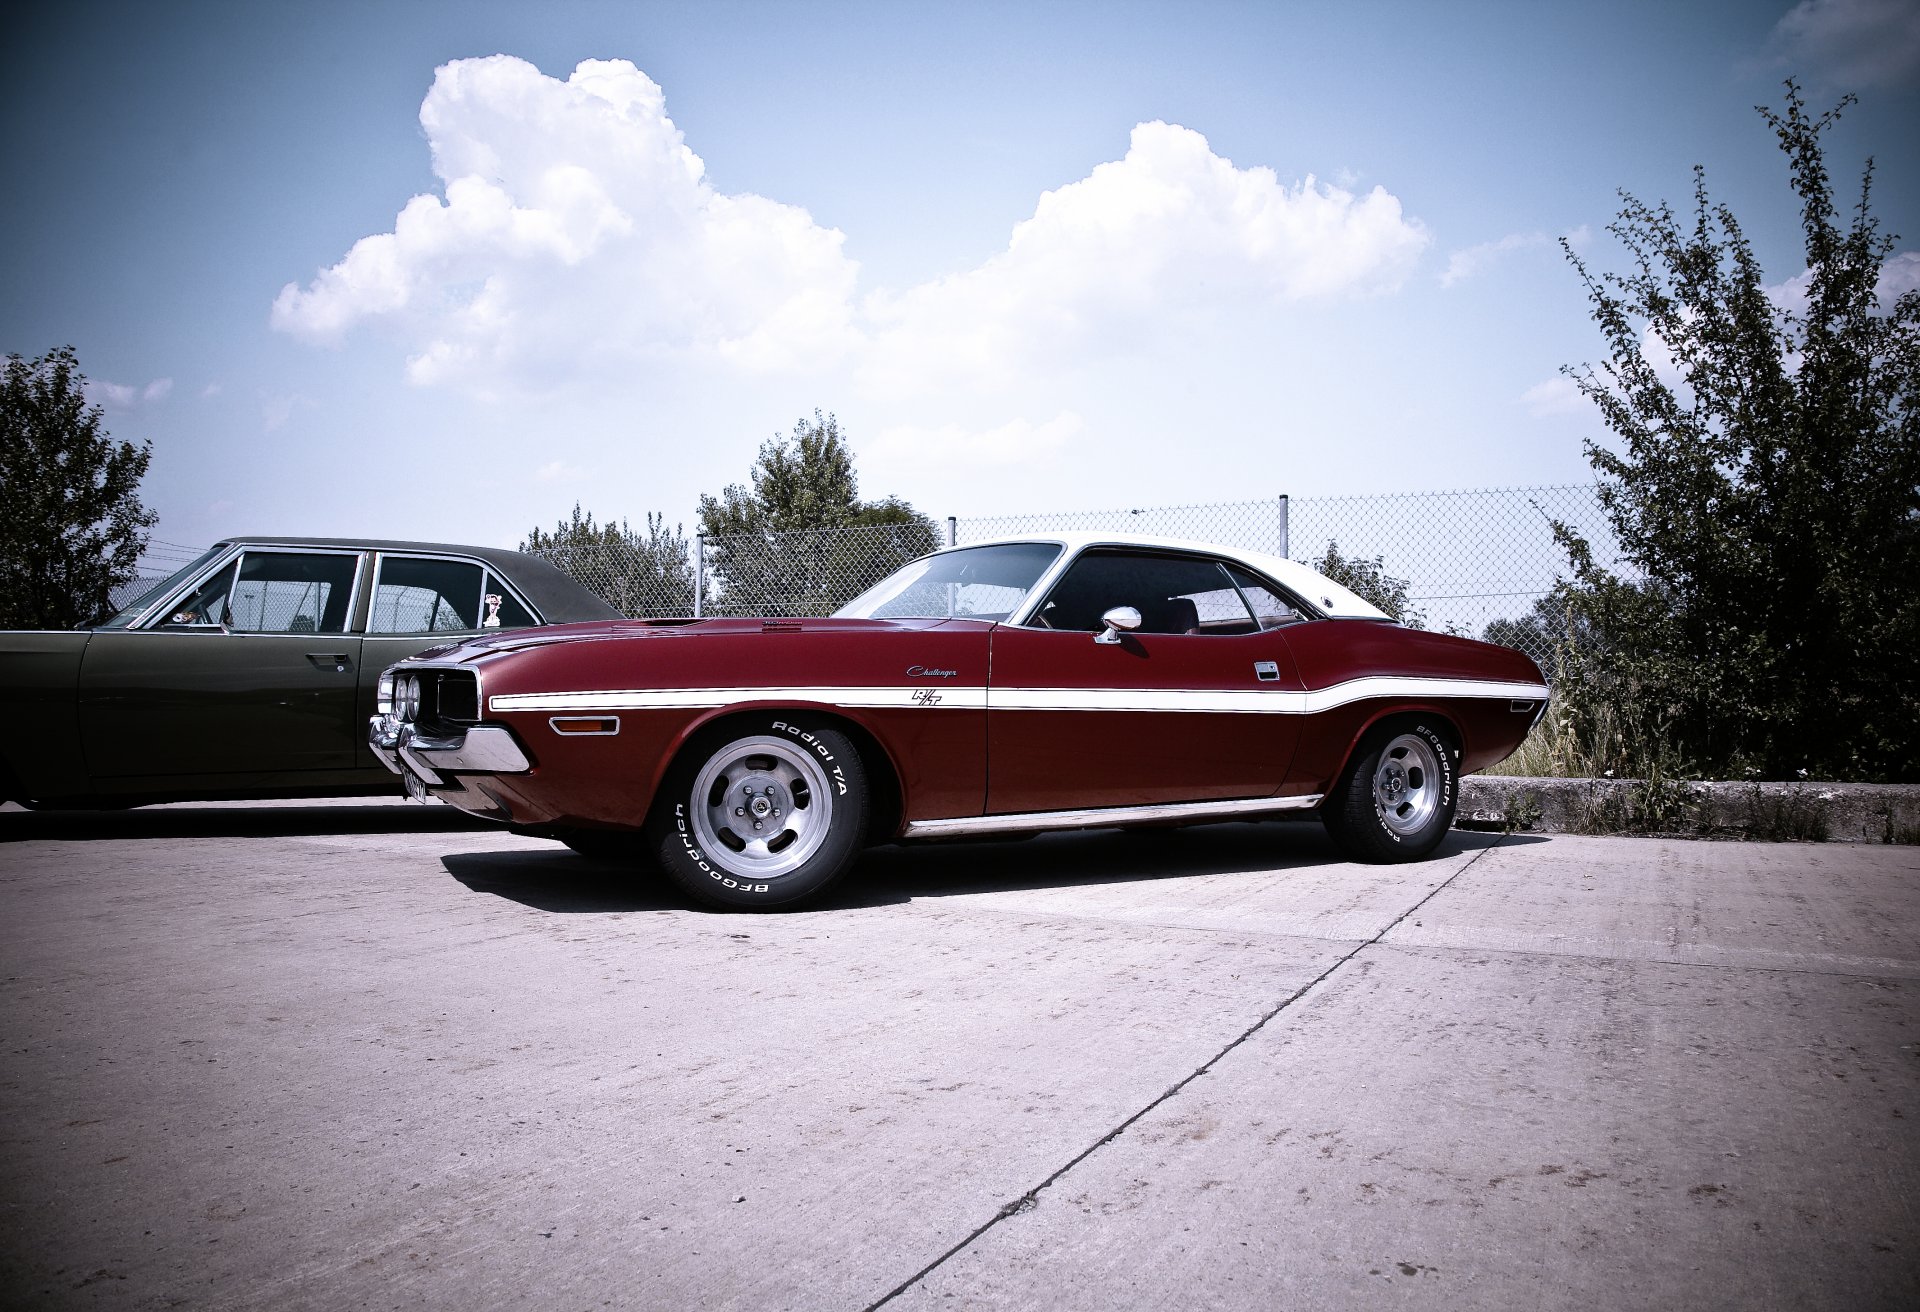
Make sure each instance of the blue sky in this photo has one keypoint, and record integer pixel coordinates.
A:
(1036, 256)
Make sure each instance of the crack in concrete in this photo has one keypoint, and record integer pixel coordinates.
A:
(1895, 968)
(1029, 1200)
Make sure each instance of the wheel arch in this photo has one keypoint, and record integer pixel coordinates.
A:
(1390, 718)
(886, 796)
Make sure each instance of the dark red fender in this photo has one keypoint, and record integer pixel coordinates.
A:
(937, 746)
(1332, 652)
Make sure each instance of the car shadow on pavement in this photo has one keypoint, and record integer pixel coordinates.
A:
(563, 882)
(236, 820)
(1100, 856)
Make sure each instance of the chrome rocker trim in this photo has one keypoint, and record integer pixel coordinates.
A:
(1097, 817)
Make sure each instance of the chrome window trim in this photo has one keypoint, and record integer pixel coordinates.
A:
(147, 623)
(379, 563)
(153, 608)
(1022, 617)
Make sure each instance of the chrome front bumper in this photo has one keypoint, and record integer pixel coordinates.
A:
(483, 749)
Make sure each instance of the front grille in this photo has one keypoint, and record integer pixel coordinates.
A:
(437, 702)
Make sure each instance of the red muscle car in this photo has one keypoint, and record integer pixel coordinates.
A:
(1055, 682)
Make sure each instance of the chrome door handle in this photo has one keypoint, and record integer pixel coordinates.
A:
(340, 660)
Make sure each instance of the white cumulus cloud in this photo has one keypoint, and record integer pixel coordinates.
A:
(575, 230)
(1168, 229)
(575, 235)
(1899, 275)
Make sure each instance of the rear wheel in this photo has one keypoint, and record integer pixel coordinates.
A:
(1397, 799)
(765, 815)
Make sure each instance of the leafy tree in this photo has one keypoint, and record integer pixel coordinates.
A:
(1765, 490)
(72, 526)
(1542, 632)
(644, 575)
(1369, 580)
(798, 540)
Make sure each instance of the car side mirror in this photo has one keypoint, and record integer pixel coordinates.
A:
(1119, 619)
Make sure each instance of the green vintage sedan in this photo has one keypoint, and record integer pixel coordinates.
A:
(251, 673)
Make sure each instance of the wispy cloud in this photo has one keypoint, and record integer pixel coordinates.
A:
(908, 450)
(120, 396)
(276, 410)
(1555, 396)
(1471, 261)
(1850, 45)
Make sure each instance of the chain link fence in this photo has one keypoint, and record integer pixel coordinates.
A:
(802, 572)
(1470, 560)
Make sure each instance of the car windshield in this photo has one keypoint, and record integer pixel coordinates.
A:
(132, 610)
(977, 583)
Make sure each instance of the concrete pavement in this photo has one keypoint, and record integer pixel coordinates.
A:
(336, 1057)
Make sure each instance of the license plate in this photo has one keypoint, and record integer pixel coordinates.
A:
(415, 789)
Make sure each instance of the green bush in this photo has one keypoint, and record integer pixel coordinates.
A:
(1764, 486)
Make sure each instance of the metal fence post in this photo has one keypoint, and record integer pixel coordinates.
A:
(1286, 545)
(699, 571)
(953, 531)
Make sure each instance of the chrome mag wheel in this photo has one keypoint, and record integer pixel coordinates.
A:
(761, 807)
(1395, 800)
(1406, 784)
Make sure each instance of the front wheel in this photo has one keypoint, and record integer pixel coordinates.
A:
(1396, 801)
(764, 816)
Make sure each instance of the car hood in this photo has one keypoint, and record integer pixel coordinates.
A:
(517, 640)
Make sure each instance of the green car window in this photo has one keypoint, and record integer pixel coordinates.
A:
(274, 592)
(416, 595)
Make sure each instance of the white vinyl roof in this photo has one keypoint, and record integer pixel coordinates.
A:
(1314, 587)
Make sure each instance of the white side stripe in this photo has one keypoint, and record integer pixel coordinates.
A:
(1251, 701)
(931, 697)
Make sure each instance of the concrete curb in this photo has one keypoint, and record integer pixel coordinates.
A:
(1809, 812)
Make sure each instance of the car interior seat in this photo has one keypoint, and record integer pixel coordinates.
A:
(1169, 615)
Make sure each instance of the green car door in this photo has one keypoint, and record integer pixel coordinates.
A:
(254, 674)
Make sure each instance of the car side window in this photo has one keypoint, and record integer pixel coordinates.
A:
(418, 595)
(273, 592)
(504, 610)
(206, 607)
(1270, 609)
(1174, 595)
